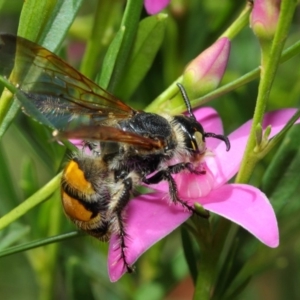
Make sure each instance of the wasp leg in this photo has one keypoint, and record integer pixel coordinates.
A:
(166, 174)
(121, 204)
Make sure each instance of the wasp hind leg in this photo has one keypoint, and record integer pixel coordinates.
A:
(122, 235)
(166, 174)
(120, 205)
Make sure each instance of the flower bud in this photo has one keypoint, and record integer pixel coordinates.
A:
(264, 18)
(155, 6)
(205, 72)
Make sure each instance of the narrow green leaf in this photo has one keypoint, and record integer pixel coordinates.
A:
(148, 41)
(238, 290)
(229, 268)
(130, 22)
(8, 192)
(26, 103)
(110, 59)
(34, 16)
(46, 22)
(189, 253)
(58, 23)
(39, 243)
(29, 177)
(108, 13)
(2, 3)
(14, 235)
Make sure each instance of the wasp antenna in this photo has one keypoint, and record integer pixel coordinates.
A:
(219, 137)
(186, 99)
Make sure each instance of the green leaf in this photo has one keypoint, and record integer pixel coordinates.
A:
(26, 103)
(107, 15)
(46, 22)
(238, 290)
(15, 233)
(2, 3)
(39, 243)
(58, 23)
(130, 22)
(189, 253)
(34, 17)
(228, 270)
(148, 41)
(110, 59)
(8, 192)
(29, 177)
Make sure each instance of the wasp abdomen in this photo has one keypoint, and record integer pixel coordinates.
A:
(85, 197)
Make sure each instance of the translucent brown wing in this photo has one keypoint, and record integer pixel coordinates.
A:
(110, 134)
(64, 96)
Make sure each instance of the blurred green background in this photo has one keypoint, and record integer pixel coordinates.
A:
(76, 268)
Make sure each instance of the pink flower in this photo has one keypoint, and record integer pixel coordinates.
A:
(264, 18)
(205, 72)
(151, 217)
(155, 6)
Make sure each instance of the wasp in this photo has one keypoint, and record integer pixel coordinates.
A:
(135, 147)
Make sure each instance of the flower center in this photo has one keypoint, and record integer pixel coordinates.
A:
(193, 186)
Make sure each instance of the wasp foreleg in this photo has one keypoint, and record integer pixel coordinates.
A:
(166, 174)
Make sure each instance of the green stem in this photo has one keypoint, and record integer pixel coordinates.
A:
(274, 141)
(37, 198)
(39, 243)
(241, 21)
(248, 77)
(267, 76)
(8, 110)
(205, 275)
(207, 265)
(161, 103)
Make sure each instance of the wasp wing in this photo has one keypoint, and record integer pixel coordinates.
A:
(111, 134)
(63, 95)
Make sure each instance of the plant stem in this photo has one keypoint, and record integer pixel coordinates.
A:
(246, 78)
(241, 21)
(268, 71)
(161, 103)
(205, 276)
(37, 198)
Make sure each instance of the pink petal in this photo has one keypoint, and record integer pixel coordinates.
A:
(155, 6)
(246, 206)
(224, 165)
(149, 219)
